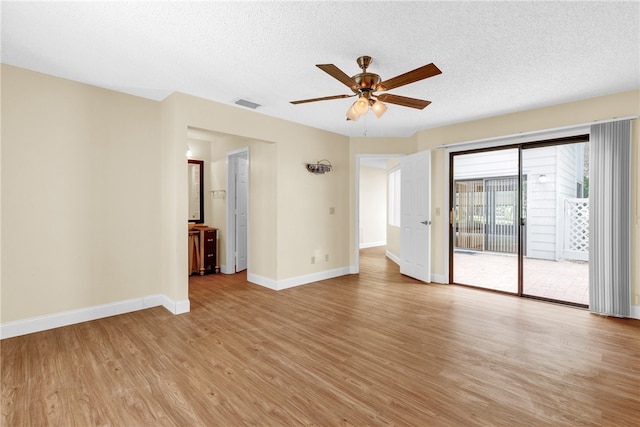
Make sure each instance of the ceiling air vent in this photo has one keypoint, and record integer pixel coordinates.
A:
(248, 104)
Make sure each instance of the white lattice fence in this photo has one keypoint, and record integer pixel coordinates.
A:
(576, 229)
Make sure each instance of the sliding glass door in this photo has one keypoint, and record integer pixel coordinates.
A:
(519, 220)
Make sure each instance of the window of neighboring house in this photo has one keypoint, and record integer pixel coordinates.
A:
(394, 197)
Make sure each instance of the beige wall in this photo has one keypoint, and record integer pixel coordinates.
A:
(574, 113)
(393, 232)
(373, 206)
(306, 228)
(94, 189)
(81, 195)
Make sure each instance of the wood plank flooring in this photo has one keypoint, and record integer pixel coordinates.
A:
(373, 349)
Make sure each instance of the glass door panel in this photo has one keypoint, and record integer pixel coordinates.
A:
(555, 210)
(485, 232)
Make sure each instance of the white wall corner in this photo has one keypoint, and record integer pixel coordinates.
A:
(176, 307)
(354, 269)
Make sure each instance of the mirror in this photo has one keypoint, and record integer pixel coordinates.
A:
(196, 188)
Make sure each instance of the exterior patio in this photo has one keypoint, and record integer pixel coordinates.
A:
(559, 280)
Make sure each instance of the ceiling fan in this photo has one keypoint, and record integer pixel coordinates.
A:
(364, 85)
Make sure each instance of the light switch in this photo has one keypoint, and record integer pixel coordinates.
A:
(437, 211)
(332, 211)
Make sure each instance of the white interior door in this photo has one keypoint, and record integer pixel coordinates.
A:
(415, 216)
(242, 201)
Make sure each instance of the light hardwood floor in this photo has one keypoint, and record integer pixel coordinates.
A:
(374, 349)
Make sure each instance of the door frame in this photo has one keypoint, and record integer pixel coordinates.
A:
(230, 246)
(355, 268)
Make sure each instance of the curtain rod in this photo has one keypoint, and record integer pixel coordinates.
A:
(536, 132)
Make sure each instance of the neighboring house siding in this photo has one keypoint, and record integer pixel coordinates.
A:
(567, 171)
(541, 202)
(562, 166)
(489, 164)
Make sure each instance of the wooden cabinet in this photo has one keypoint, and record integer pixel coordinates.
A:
(203, 250)
(208, 244)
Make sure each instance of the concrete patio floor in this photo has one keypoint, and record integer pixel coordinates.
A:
(558, 280)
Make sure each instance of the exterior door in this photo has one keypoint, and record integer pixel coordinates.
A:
(415, 216)
(529, 203)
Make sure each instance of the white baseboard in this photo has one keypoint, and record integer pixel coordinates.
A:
(65, 318)
(635, 312)
(392, 257)
(278, 285)
(176, 307)
(373, 244)
(262, 281)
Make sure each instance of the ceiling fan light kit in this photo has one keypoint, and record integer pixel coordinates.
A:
(364, 85)
(378, 108)
(352, 114)
(361, 106)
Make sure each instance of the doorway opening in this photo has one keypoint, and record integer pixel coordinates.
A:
(372, 229)
(226, 189)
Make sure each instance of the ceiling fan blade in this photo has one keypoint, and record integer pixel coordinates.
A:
(325, 98)
(403, 100)
(338, 74)
(421, 73)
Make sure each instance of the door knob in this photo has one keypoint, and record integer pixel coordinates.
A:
(425, 222)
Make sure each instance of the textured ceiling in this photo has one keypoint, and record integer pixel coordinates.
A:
(495, 57)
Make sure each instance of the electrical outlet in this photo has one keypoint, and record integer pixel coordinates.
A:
(326, 259)
(313, 260)
(437, 211)
(332, 211)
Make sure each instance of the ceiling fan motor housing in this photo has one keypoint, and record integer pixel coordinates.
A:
(367, 82)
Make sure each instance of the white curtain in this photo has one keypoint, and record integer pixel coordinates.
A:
(609, 218)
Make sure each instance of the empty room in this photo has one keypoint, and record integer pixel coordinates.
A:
(274, 213)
